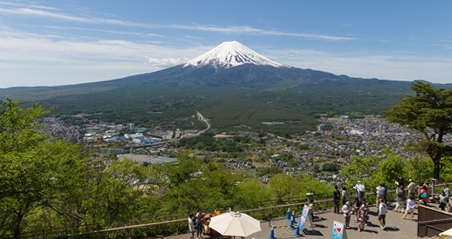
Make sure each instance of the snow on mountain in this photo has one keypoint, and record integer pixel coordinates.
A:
(230, 54)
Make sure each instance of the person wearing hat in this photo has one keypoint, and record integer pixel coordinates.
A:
(362, 217)
(411, 188)
(347, 211)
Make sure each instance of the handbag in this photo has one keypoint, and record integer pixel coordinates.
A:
(423, 195)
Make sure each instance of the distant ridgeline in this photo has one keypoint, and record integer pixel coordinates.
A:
(230, 85)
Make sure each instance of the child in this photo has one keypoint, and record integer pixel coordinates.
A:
(410, 205)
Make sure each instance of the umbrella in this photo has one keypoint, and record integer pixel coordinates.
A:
(235, 224)
(445, 234)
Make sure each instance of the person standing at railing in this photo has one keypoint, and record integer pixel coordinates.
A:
(446, 190)
(199, 217)
(385, 192)
(360, 190)
(400, 192)
(380, 193)
(400, 181)
(443, 201)
(419, 188)
(336, 198)
(345, 195)
(411, 188)
(311, 214)
(423, 196)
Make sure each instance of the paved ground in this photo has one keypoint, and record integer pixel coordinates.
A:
(397, 228)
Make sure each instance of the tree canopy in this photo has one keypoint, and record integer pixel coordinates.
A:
(429, 112)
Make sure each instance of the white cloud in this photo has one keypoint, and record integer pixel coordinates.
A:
(164, 62)
(32, 59)
(393, 66)
(211, 28)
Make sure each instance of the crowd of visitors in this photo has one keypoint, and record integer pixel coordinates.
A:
(406, 200)
(359, 207)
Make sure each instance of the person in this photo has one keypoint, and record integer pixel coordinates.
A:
(380, 193)
(336, 198)
(423, 196)
(382, 209)
(360, 190)
(347, 211)
(356, 206)
(400, 182)
(410, 206)
(366, 207)
(446, 190)
(345, 195)
(311, 213)
(449, 205)
(443, 201)
(199, 217)
(362, 213)
(191, 226)
(419, 188)
(400, 192)
(385, 191)
(411, 188)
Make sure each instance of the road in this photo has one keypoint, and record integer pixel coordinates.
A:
(200, 117)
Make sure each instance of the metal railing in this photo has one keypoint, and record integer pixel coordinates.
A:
(260, 210)
(277, 210)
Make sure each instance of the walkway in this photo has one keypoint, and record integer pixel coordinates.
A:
(396, 228)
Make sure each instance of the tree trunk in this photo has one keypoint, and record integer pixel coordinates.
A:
(436, 169)
(17, 227)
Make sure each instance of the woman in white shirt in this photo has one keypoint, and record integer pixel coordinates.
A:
(410, 206)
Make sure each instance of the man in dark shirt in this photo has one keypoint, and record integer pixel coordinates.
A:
(336, 198)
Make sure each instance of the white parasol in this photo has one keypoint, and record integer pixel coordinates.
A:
(235, 224)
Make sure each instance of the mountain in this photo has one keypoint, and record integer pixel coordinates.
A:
(231, 85)
(231, 54)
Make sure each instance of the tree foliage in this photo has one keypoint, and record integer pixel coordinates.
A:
(429, 112)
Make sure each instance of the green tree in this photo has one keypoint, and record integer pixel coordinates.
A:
(29, 165)
(429, 112)
(390, 168)
(420, 168)
(285, 186)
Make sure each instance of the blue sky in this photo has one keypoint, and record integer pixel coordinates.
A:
(46, 43)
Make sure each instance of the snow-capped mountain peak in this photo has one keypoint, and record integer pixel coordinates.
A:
(230, 54)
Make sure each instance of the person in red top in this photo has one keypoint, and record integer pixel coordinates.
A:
(424, 195)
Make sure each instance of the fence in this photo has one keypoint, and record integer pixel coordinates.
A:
(431, 221)
(164, 224)
(261, 212)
